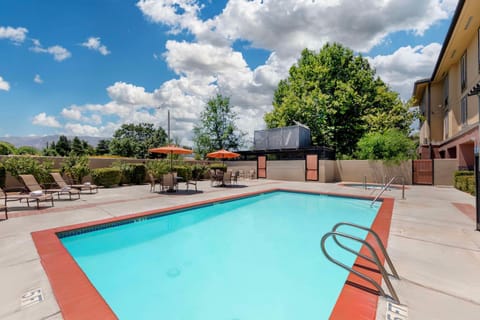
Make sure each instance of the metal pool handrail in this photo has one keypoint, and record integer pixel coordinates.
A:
(385, 187)
(379, 243)
(393, 294)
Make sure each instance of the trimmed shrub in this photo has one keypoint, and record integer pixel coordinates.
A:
(139, 173)
(183, 171)
(465, 181)
(107, 177)
(126, 170)
(470, 188)
(3, 176)
(199, 171)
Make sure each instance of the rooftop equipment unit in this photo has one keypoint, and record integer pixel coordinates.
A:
(292, 137)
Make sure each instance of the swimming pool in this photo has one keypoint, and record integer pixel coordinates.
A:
(252, 258)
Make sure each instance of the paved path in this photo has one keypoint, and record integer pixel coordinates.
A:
(432, 243)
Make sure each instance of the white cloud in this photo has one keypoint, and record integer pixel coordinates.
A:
(4, 85)
(59, 53)
(82, 130)
(16, 35)
(209, 64)
(288, 26)
(124, 93)
(42, 119)
(74, 113)
(38, 79)
(93, 43)
(406, 65)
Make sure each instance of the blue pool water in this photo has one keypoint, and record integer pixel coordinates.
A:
(253, 258)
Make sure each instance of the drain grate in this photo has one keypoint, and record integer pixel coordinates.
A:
(31, 297)
(396, 311)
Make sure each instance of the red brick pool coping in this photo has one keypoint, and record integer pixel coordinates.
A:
(78, 298)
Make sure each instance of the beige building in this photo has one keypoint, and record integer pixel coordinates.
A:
(449, 100)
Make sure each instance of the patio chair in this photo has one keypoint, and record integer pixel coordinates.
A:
(192, 182)
(154, 181)
(87, 186)
(169, 182)
(227, 178)
(213, 177)
(36, 189)
(235, 176)
(19, 196)
(64, 187)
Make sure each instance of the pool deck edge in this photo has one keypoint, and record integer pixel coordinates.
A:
(78, 298)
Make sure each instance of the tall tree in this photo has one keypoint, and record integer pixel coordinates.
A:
(217, 128)
(337, 95)
(103, 147)
(134, 140)
(63, 146)
(77, 146)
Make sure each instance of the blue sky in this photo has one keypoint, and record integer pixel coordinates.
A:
(85, 67)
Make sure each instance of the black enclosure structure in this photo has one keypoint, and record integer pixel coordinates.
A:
(286, 143)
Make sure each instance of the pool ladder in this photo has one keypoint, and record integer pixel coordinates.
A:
(374, 259)
(386, 186)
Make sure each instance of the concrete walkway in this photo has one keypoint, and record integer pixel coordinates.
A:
(432, 244)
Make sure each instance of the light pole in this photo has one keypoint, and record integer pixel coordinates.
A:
(168, 126)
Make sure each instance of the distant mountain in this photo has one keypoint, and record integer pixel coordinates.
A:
(41, 142)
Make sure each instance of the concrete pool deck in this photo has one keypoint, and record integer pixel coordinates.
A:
(432, 243)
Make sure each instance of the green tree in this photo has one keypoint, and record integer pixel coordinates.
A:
(134, 140)
(337, 95)
(7, 148)
(76, 167)
(217, 128)
(28, 165)
(77, 146)
(63, 146)
(389, 145)
(102, 147)
(28, 150)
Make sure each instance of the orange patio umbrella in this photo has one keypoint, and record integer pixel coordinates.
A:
(223, 154)
(170, 149)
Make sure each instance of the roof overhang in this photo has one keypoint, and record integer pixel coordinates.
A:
(461, 31)
(419, 88)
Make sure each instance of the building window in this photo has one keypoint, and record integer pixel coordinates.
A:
(464, 110)
(463, 71)
(445, 125)
(445, 91)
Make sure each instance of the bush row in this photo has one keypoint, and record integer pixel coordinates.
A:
(465, 181)
(77, 168)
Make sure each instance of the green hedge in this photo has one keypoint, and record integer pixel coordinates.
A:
(3, 176)
(465, 181)
(139, 173)
(107, 177)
